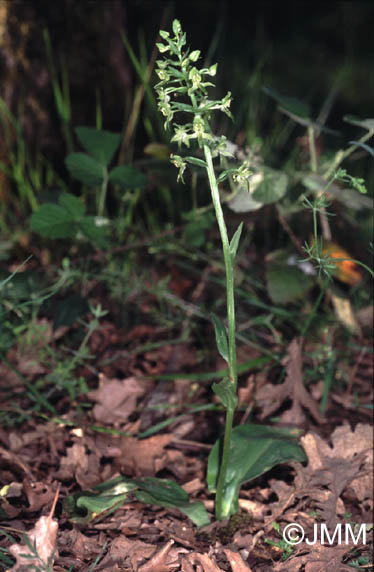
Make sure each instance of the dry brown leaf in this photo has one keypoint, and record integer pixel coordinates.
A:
(203, 559)
(322, 558)
(144, 457)
(236, 561)
(43, 535)
(38, 494)
(78, 464)
(159, 561)
(330, 471)
(116, 399)
(270, 397)
(82, 547)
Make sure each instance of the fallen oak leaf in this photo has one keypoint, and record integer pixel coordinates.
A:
(144, 457)
(40, 544)
(271, 397)
(158, 562)
(236, 561)
(115, 399)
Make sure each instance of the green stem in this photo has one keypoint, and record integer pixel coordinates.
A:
(341, 155)
(231, 329)
(102, 198)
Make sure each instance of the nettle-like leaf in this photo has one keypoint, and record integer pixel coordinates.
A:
(85, 169)
(99, 143)
(58, 221)
(272, 187)
(65, 219)
(243, 202)
(127, 177)
(286, 283)
(255, 449)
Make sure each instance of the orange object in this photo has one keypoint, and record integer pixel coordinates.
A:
(346, 270)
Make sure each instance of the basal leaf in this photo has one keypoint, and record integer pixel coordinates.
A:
(99, 143)
(255, 449)
(166, 493)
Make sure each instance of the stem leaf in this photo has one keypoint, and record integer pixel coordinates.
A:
(225, 391)
(221, 337)
(235, 241)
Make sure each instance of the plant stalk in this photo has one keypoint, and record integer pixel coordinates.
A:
(233, 376)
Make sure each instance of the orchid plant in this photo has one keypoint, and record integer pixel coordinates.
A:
(179, 76)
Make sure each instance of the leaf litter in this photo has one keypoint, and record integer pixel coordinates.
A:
(73, 456)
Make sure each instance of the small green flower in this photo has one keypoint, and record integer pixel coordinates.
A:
(194, 56)
(178, 161)
(243, 174)
(181, 136)
(225, 104)
(199, 129)
(195, 76)
(163, 74)
(166, 110)
(162, 48)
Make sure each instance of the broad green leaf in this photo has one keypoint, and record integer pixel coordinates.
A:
(255, 449)
(196, 161)
(243, 202)
(53, 221)
(127, 177)
(286, 283)
(86, 505)
(94, 232)
(85, 169)
(69, 309)
(364, 123)
(225, 391)
(99, 143)
(72, 204)
(235, 241)
(292, 104)
(272, 187)
(221, 336)
(82, 507)
(168, 494)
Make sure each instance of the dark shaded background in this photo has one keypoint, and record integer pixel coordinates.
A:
(303, 49)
